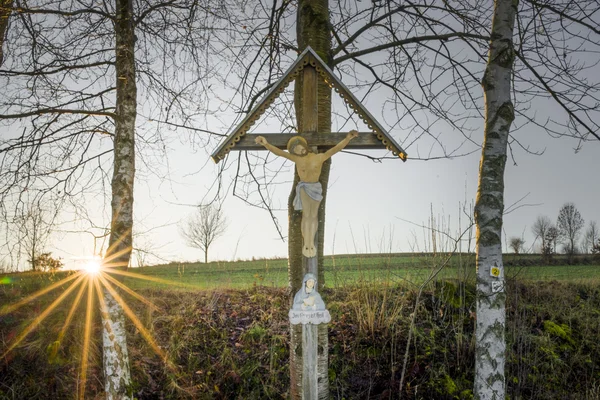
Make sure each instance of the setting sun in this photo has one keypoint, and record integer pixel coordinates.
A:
(92, 267)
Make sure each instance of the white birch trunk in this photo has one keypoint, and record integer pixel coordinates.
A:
(116, 360)
(117, 379)
(5, 11)
(491, 295)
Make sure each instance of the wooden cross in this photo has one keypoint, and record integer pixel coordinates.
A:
(312, 68)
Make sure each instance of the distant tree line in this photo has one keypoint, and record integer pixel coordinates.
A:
(565, 235)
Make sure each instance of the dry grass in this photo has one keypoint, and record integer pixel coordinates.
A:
(234, 344)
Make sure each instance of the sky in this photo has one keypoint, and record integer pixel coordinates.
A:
(371, 206)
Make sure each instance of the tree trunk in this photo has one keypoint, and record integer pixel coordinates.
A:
(206, 256)
(5, 11)
(312, 30)
(491, 295)
(32, 255)
(117, 377)
(117, 380)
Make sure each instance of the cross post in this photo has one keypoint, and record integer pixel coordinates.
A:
(307, 320)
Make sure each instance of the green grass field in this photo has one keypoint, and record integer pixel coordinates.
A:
(341, 270)
(234, 343)
(349, 269)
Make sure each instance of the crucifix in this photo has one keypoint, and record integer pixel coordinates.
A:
(308, 150)
(309, 192)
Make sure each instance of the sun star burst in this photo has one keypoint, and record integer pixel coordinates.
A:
(93, 278)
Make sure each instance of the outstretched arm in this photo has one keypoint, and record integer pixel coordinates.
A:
(275, 150)
(351, 135)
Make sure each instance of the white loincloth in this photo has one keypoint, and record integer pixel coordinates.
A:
(314, 190)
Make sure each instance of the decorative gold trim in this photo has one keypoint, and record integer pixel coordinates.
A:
(341, 91)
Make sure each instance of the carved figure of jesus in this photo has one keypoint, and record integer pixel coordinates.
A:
(309, 192)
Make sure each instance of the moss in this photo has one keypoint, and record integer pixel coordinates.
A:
(256, 332)
(449, 293)
(449, 385)
(561, 331)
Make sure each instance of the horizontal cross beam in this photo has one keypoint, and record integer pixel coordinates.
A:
(324, 141)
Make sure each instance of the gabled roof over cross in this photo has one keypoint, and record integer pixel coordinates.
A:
(378, 137)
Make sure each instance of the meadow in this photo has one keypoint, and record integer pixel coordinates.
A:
(224, 327)
(342, 270)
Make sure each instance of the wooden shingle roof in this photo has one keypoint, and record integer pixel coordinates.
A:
(309, 58)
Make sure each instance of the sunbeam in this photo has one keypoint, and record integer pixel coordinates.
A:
(63, 331)
(131, 292)
(97, 278)
(71, 313)
(86, 338)
(138, 324)
(10, 308)
(107, 261)
(41, 317)
(149, 278)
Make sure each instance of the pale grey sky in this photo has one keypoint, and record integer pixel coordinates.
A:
(371, 206)
(366, 201)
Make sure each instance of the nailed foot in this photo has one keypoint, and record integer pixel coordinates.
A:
(309, 251)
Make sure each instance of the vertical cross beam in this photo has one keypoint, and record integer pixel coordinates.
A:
(310, 115)
(310, 120)
(310, 359)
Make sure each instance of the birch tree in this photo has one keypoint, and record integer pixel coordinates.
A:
(550, 64)
(117, 377)
(5, 11)
(427, 61)
(489, 206)
(71, 75)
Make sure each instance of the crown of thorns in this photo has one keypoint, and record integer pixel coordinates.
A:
(296, 140)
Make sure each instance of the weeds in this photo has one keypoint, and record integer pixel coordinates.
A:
(233, 344)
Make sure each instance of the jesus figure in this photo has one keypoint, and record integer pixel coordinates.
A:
(309, 191)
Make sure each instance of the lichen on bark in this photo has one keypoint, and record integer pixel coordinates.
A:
(116, 360)
(489, 380)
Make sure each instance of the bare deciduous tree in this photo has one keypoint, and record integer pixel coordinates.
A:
(551, 241)
(590, 238)
(203, 227)
(540, 229)
(34, 226)
(569, 224)
(516, 244)
(71, 107)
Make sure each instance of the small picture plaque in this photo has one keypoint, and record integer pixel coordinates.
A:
(309, 317)
(308, 307)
